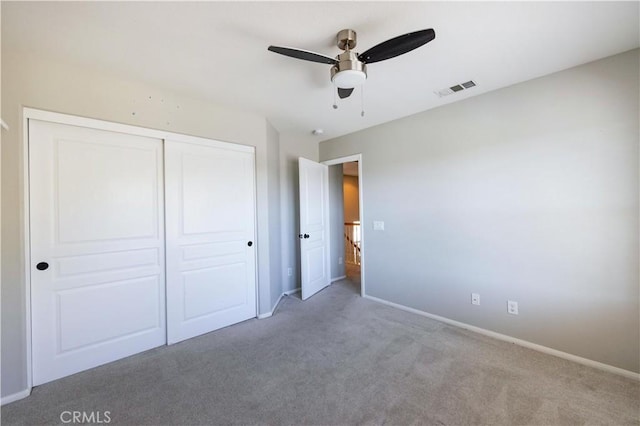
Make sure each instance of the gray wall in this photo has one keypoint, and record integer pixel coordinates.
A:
(275, 237)
(527, 193)
(39, 83)
(351, 199)
(336, 220)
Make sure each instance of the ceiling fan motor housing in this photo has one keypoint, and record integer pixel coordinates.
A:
(346, 39)
(349, 72)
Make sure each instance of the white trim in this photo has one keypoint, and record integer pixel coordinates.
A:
(275, 306)
(4, 125)
(256, 257)
(341, 160)
(519, 342)
(348, 159)
(333, 280)
(267, 314)
(15, 397)
(73, 120)
(26, 229)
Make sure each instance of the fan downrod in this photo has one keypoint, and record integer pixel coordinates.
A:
(346, 39)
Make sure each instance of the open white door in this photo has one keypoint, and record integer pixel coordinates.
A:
(210, 221)
(314, 227)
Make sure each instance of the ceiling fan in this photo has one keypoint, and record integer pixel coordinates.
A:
(349, 69)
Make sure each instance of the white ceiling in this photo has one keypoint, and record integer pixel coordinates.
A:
(218, 50)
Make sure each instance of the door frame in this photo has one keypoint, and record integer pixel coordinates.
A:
(74, 120)
(348, 159)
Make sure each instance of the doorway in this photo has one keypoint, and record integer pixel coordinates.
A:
(347, 233)
(351, 240)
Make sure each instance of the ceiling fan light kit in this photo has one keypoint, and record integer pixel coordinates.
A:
(349, 69)
(348, 79)
(349, 72)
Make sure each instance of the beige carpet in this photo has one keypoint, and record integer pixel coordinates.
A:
(338, 359)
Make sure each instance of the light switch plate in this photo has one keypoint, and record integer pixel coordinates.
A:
(378, 225)
(475, 299)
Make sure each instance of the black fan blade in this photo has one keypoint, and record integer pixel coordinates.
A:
(303, 54)
(344, 93)
(397, 46)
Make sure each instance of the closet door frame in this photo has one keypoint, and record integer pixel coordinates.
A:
(73, 120)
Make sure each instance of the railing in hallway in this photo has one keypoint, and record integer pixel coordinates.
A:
(352, 242)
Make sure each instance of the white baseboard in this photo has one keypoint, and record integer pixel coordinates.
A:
(275, 305)
(333, 280)
(520, 342)
(15, 397)
(265, 315)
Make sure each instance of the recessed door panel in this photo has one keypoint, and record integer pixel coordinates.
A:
(314, 185)
(103, 193)
(316, 264)
(210, 200)
(80, 326)
(212, 290)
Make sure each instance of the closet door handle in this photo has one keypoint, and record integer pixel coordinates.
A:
(42, 266)
(306, 235)
(250, 243)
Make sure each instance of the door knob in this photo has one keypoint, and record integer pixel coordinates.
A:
(42, 266)
(306, 235)
(250, 243)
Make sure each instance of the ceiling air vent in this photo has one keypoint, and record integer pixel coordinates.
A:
(455, 88)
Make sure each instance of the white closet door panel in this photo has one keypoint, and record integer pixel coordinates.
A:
(210, 225)
(78, 308)
(96, 201)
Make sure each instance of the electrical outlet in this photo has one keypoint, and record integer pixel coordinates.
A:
(378, 225)
(289, 271)
(512, 307)
(475, 299)
(339, 261)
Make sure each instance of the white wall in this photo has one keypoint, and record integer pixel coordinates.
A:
(527, 193)
(38, 83)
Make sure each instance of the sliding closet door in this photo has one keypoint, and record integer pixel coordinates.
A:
(210, 229)
(97, 247)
